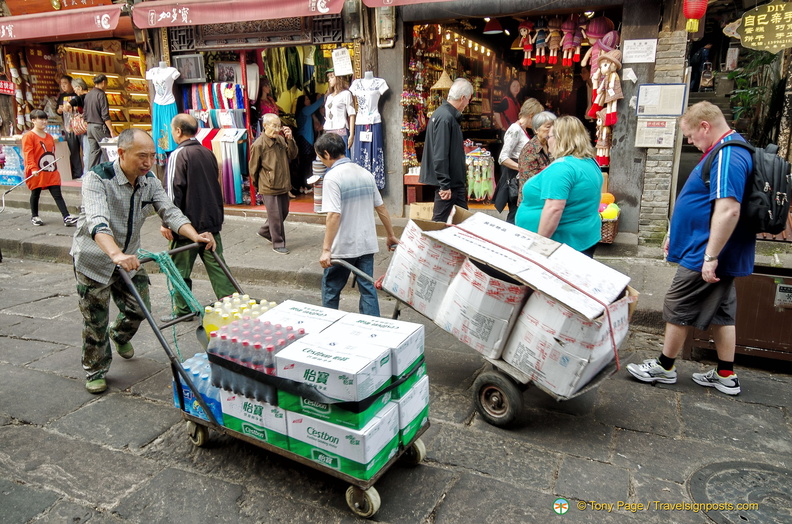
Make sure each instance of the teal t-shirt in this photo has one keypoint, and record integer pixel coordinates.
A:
(579, 182)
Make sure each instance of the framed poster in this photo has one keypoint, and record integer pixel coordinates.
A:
(191, 68)
(225, 72)
(655, 132)
(661, 99)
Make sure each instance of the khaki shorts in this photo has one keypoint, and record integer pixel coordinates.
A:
(692, 302)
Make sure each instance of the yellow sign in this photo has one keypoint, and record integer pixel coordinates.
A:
(768, 27)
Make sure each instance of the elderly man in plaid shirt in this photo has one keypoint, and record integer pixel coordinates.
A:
(117, 197)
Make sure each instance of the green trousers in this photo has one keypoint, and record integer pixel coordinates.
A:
(185, 261)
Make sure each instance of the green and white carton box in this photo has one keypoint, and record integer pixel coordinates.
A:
(404, 339)
(360, 453)
(255, 419)
(330, 412)
(342, 371)
(413, 410)
(412, 377)
(313, 319)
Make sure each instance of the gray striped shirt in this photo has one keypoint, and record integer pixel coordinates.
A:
(111, 205)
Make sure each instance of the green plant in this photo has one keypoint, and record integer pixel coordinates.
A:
(753, 82)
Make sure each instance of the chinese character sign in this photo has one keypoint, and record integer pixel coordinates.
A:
(768, 27)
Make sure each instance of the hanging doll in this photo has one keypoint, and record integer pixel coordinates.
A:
(539, 40)
(567, 42)
(609, 90)
(577, 38)
(554, 39)
(525, 41)
(604, 140)
(596, 29)
(606, 44)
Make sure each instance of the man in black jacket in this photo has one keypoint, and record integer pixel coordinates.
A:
(443, 162)
(193, 184)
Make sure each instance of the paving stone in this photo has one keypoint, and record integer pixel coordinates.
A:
(764, 388)
(124, 374)
(73, 513)
(449, 405)
(583, 479)
(48, 308)
(8, 321)
(156, 387)
(78, 469)
(581, 436)
(66, 363)
(201, 499)
(38, 397)
(20, 351)
(452, 369)
(21, 503)
(409, 494)
(648, 490)
(673, 459)
(118, 421)
(493, 453)
(629, 404)
(725, 421)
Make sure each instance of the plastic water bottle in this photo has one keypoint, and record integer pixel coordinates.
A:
(258, 362)
(269, 365)
(211, 319)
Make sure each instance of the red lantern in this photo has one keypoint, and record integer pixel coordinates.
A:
(694, 10)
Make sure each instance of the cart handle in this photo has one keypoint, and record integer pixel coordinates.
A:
(377, 284)
(175, 364)
(218, 259)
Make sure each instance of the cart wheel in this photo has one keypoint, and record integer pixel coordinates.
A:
(497, 398)
(363, 502)
(415, 454)
(198, 434)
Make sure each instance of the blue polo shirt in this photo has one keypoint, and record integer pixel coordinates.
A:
(690, 224)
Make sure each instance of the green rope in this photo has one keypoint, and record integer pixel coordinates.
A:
(176, 284)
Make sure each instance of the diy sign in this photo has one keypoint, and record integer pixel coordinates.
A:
(768, 27)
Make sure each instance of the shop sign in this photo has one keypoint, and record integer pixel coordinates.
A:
(783, 296)
(169, 16)
(6, 31)
(768, 27)
(6, 87)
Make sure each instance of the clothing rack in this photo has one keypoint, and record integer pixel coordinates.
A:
(229, 146)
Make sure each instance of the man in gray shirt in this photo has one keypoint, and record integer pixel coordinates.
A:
(117, 197)
(97, 115)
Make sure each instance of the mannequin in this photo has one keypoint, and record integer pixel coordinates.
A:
(164, 108)
(367, 148)
(339, 108)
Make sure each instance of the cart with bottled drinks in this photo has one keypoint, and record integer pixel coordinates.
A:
(350, 411)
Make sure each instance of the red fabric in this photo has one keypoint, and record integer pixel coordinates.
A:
(207, 141)
(39, 151)
(62, 24)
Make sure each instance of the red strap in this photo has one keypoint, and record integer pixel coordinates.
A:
(592, 297)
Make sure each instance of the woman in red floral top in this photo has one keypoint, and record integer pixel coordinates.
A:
(535, 155)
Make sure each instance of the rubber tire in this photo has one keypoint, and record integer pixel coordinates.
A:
(415, 454)
(364, 503)
(497, 398)
(197, 434)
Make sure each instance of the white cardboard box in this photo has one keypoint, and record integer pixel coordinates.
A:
(413, 402)
(560, 349)
(555, 269)
(479, 309)
(421, 269)
(313, 319)
(358, 445)
(340, 370)
(404, 339)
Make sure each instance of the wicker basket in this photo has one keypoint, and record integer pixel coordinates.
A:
(610, 227)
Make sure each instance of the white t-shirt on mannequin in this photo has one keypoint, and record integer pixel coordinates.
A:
(337, 110)
(163, 78)
(368, 92)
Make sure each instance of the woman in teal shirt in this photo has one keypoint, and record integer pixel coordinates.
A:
(562, 201)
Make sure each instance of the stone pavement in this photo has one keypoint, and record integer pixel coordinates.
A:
(66, 455)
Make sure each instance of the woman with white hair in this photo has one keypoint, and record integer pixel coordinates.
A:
(535, 155)
(562, 201)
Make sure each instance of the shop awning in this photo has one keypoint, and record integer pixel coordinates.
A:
(61, 25)
(425, 11)
(391, 3)
(174, 13)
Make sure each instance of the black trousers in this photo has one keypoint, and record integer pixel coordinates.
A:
(442, 208)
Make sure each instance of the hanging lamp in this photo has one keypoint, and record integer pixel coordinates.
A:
(694, 10)
(444, 82)
(493, 27)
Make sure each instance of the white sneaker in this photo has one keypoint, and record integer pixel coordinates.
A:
(70, 221)
(651, 371)
(313, 179)
(729, 385)
(36, 221)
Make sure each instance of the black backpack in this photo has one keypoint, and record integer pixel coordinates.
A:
(765, 205)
